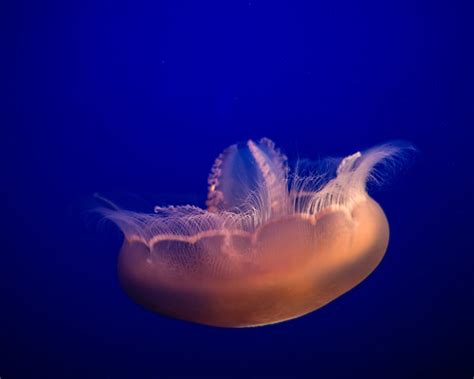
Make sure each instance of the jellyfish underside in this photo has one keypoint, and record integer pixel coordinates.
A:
(271, 246)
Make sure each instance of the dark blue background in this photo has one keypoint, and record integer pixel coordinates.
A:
(139, 97)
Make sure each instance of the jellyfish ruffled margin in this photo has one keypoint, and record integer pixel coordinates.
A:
(272, 245)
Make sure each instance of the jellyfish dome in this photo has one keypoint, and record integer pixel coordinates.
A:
(272, 244)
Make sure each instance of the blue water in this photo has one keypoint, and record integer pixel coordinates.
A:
(138, 98)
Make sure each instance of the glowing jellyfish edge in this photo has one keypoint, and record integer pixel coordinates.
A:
(271, 245)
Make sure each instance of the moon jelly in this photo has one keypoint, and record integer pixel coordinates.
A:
(272, 244)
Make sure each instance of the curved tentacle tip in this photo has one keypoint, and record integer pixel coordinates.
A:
(273, 243)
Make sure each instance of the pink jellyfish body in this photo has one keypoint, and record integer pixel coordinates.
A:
(272, 244)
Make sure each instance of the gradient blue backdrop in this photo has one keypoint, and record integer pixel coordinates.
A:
(139, 97)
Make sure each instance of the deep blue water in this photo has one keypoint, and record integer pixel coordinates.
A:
(139, 97)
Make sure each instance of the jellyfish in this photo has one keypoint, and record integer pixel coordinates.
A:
(272, 243)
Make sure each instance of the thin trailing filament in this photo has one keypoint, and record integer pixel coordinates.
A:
(250, 184)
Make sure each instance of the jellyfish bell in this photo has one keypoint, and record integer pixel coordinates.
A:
(272, 244)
